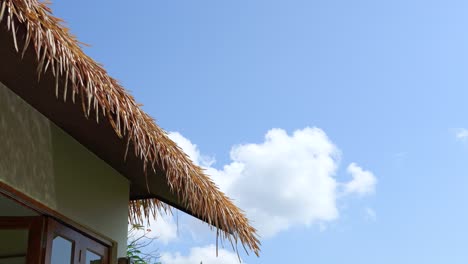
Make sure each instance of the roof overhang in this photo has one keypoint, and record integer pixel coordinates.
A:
(20, 75)
(40, 59)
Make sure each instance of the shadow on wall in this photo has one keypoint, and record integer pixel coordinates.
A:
(26, 160)
(44, 162)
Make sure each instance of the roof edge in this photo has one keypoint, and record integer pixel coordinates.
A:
(58, 55)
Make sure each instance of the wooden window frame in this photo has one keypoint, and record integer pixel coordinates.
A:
(35, 226)
(48, 215)
(81, 243)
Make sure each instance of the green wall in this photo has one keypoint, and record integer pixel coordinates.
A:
(41, 160)
(13, 242)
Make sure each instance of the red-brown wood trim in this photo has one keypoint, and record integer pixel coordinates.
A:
(16, 222)
(54, 228)
(32, 204)
(35, 250)
(80, 241)
(12, 256)
(35, 227)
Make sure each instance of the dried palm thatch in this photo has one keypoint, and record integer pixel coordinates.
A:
(59, 51)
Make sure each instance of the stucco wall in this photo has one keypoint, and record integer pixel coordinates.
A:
(41, 160)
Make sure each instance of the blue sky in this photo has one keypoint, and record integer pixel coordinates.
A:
(378, 84)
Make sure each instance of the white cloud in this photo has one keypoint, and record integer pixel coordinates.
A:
(207, 255)
(285, 181)
(363, 181)
(191, 150)
(163, 228)
(462, 134)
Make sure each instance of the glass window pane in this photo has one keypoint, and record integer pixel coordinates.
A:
(92, 258)
(13, 246)
(61, 251)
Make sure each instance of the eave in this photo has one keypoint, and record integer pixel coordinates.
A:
(43, 64)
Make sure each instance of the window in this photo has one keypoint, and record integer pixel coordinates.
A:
(24, 229)
(20, 239)
(67, 246)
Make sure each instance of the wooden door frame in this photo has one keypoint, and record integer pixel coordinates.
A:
(81, 242)
(43, 210)
(35, 226)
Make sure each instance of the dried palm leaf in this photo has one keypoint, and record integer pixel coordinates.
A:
(56, 47)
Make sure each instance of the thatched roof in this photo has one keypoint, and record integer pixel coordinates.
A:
(81, 80)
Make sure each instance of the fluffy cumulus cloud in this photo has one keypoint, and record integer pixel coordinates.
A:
(191, 150)
(287, 180)
(363, 181)
(207, 255)
(163, 228)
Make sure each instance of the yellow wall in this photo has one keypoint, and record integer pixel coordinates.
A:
(41, 160)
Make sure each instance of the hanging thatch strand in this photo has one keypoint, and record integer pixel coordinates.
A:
(59, 51)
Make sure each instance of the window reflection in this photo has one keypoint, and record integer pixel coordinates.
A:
(92, 258)
(61, 251)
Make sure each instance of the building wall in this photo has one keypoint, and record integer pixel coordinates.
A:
(42, 161)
